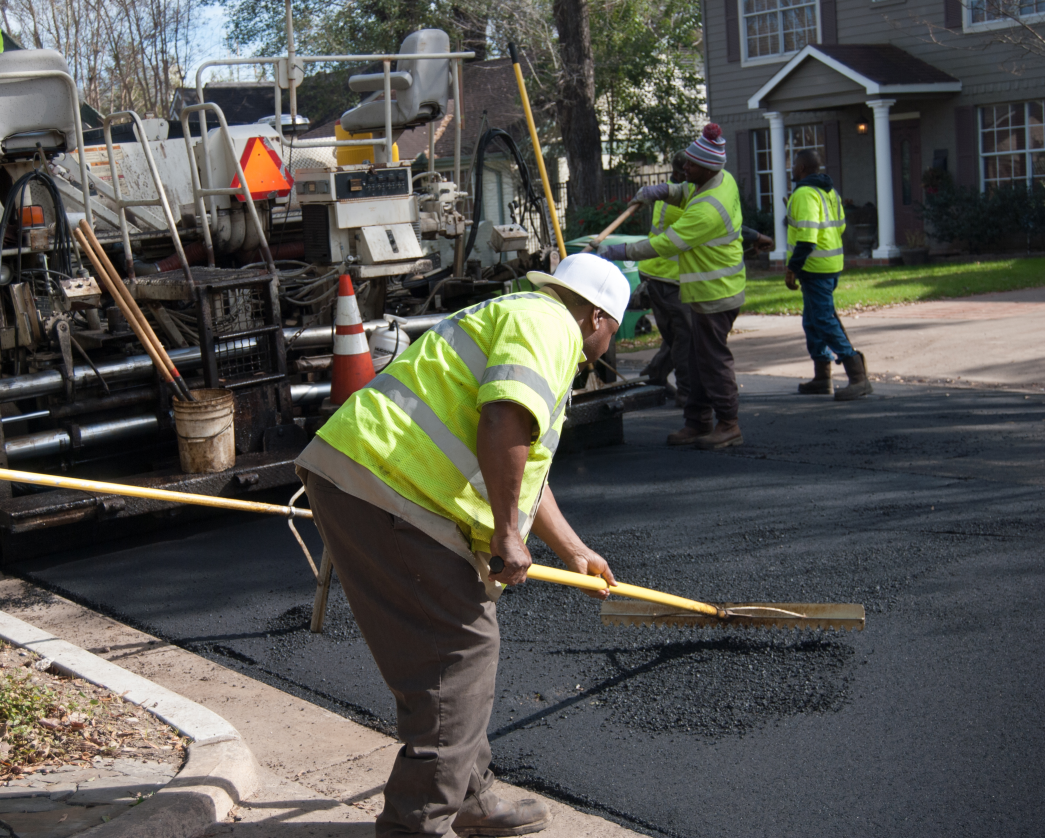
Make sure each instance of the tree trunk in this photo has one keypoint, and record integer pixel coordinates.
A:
(575, 103)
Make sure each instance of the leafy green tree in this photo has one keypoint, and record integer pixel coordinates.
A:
(648, 77)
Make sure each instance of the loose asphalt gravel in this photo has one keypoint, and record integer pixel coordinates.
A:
(924, 504)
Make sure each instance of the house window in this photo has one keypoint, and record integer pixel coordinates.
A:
(796, 138)
(779, 27)
(990, 11)
(1012, 143)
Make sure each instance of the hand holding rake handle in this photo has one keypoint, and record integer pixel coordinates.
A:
(597, 583)
(620, 219)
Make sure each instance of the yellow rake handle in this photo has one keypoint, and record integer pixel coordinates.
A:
(542, 573)
(152, 494)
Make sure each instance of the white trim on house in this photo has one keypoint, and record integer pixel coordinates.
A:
(872, 88)
(775, 58)
(1000, 23)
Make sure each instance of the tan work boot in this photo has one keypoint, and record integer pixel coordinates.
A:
(725, 435)
(496, 816)
(859, 384)
(688, 435)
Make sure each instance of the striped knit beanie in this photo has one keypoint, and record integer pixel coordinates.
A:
(709, 149)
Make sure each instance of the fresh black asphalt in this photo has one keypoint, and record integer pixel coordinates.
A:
(924, 504)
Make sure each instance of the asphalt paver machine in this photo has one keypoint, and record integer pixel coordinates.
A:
(230, 239)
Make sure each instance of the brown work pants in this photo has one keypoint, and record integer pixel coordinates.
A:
(433, 632)
(713, 382)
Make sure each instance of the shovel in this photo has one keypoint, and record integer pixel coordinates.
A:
(659, 609)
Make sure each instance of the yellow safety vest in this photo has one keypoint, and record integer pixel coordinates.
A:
(707, 240)
(817, 216)
(415, 426)
(664, 268)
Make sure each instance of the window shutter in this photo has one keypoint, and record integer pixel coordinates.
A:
(965, 147)
(829, 22)
(833, 152)
(744, 169)
(952, 14)
(732, 31)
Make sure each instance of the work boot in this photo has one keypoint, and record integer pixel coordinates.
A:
(496, 816)
(859, 384)
(821, 384)
(725, 435)
(688, 435)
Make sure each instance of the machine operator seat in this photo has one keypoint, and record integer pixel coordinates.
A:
(35, 110)
(422, 87)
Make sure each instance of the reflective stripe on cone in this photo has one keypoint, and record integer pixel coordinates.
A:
(353, 368)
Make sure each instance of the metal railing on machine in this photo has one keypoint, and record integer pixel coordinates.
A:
(289, 72)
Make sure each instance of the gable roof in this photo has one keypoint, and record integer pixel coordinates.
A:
(881, 69)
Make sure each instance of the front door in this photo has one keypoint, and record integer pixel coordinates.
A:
(905, 140)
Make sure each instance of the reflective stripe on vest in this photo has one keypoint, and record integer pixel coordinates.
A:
(731, 233)
(550, 440)
(706, 276)
(658, 224)
(828, 223)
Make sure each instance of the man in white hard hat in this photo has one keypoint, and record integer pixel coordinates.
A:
(440, 463)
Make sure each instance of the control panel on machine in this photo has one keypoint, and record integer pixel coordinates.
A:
(317, 185)
(374, 184)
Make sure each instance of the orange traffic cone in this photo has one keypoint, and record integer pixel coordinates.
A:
(353, 368)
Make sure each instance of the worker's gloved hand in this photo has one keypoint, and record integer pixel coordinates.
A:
(649, 194)
(790, 280)
(613, 252)
(590, 563)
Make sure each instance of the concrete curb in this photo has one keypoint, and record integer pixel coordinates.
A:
(219, 772)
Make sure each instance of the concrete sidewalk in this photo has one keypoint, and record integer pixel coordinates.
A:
(986, 340)
(321, 775)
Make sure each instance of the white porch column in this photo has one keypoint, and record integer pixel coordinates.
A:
(776, 154)
(883, 170)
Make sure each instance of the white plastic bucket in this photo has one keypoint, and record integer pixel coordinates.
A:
(206, 437)
(387, 344)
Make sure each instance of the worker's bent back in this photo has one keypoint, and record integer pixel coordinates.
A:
(415, 426)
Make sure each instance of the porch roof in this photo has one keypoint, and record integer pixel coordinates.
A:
(835, 75)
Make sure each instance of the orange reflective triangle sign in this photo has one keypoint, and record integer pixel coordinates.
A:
(266, 175)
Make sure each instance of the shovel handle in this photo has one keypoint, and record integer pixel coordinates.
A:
(620, 219)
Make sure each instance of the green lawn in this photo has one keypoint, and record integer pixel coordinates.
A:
(873, 287)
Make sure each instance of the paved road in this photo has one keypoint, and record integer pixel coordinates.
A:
(925, 504)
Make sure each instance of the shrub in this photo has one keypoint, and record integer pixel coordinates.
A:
(964, 215)
(756, 217)
(983, 219)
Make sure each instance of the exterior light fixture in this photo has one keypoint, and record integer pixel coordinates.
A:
(861, 128)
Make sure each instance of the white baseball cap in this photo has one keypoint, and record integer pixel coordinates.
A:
(598, 280)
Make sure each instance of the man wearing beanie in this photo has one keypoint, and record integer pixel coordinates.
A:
(438, 464)
(708, 239)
